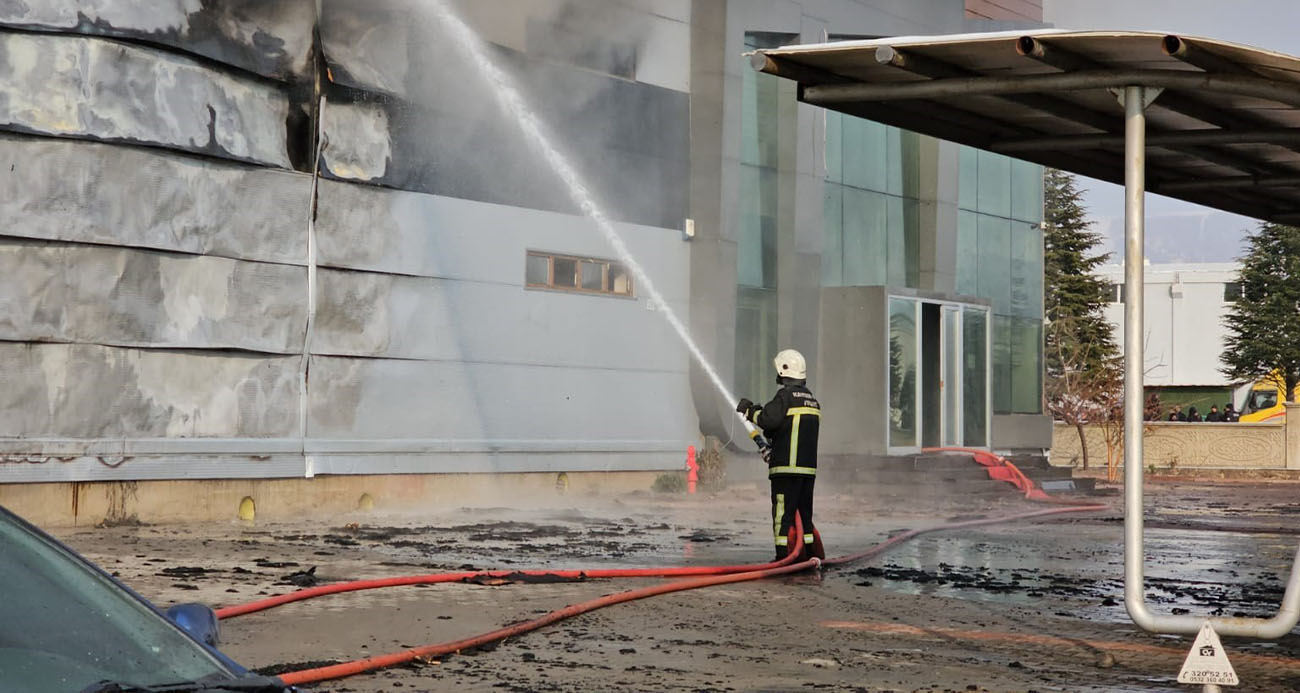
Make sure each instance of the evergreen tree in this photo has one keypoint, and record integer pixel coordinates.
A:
(1081, 359)
(1264, 322)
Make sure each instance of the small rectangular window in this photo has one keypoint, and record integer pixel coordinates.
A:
(620, 281)
(538, 270)
(579, 274)
(1231, 292)
(1116, 293)
(593, 275)
(565, 273)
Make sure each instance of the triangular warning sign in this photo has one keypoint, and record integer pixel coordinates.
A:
(1207, 662)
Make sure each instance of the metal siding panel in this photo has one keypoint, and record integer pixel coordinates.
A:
(89, 391)
(130, 297)
(357, 141)
(272, 39)
(369, 228)
(113, 195)
(378, 315)
(176, 466)
(376, 398)
(73, 86)
(500, 463)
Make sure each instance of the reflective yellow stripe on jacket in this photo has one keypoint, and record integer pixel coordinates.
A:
(793, 467)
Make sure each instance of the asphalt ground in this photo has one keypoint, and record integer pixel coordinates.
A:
(1030, 606)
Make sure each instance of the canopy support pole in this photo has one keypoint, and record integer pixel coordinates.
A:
(1135, 100)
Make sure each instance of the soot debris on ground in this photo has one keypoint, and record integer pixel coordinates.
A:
(586, 539)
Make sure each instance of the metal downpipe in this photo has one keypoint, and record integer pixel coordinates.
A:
(1134, 403)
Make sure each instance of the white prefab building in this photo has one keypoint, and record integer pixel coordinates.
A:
(1185, 333)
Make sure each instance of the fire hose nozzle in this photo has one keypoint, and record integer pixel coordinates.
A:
(764, 447)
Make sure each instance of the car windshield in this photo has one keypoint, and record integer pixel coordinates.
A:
(1263, 399)
(65, 626)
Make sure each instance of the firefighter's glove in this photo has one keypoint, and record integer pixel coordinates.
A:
(745, 407)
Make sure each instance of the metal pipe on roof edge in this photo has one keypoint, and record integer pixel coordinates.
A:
(1134, 400)
(1030, 47)
(1174, 46)
(1241, 85)
(1175, 138)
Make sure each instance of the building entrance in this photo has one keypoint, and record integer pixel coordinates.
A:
(938, 374)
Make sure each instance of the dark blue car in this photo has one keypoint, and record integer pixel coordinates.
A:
(68, 627)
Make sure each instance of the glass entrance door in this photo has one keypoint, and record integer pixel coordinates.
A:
(950, 382)
(938, 375)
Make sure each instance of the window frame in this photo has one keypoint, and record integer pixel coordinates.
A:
(1228, 289)
(607, 272)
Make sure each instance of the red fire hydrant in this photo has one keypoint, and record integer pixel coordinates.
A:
(692, 469)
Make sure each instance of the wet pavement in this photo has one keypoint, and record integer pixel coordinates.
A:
(1028, 606)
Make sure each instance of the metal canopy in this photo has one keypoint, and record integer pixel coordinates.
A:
(1221, 120)
(1223, 129)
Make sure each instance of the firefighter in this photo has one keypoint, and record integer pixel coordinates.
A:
(790, 422)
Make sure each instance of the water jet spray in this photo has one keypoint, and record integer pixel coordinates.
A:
(512, 101)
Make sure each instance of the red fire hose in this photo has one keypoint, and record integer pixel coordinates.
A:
(358, 666)
(999, 468)
(783, 567)
(706, 576)
(435, 578)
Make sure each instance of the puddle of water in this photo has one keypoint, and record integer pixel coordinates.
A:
(1078, 570)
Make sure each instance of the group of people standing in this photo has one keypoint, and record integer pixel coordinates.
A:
(1228, 415)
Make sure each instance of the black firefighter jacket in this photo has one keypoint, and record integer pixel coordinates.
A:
(791, 422)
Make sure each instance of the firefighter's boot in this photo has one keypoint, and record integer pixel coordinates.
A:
(817, 550)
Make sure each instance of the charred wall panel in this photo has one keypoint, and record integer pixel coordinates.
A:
(89, 391)
(88, 192)
(358, 145)
(154, 270)
(272, 39)
(72, 86)
(121, 296)
(629, 139)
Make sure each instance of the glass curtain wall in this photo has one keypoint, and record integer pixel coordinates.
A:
(1000, 258)
(871, 220)
(756, 271)
(974, 395)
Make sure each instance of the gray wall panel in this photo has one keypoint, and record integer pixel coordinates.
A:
(272, 39)
(91, 87)
(99, 193)
(86, 391)
(132, 297)
(377, 398)
(363, 227)
(367, 314)
(645, 458)
(172, 466)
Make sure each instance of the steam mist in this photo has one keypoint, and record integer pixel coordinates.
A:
(574, 61)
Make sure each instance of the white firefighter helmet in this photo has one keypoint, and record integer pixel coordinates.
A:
(790, 364)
